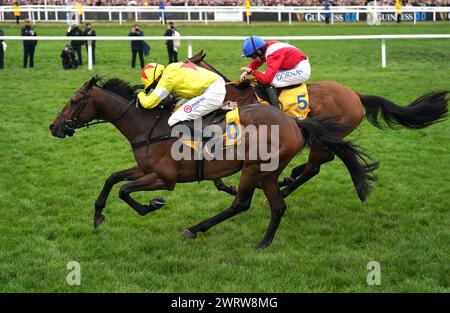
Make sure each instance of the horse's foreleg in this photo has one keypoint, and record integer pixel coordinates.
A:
(220, 185)
(277, 207)
(148, 182)
(128, 174)
(240, 204)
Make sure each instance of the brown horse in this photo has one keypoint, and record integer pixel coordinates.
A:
(329, 98)
(156, 169)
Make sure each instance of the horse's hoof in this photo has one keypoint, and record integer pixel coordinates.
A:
(98, 220)
(266, 203)
(189, 235)
(233, 190)
(157, 203)
(262, 245)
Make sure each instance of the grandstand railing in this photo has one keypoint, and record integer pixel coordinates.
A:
(189, 40)
(204, 14)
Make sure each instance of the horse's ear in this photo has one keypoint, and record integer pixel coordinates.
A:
(203, 56)
(93, 82)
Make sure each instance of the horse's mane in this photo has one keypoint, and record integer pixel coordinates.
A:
(241, 85)
(217, 71)
(119, 87)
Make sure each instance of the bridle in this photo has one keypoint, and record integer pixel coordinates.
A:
(70, 124)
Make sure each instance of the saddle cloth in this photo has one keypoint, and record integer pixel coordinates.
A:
(294, 100)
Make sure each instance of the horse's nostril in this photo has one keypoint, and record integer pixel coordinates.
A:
(51, 126)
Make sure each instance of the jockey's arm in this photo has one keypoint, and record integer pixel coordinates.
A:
(273, 65)
(153, 99)
(256, 63)
(162, 91)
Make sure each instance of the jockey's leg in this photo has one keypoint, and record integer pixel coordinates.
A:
(268, 93)
(297, 75)
(211, 99)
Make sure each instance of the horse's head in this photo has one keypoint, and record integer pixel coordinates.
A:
(196, 59)
(78, 111)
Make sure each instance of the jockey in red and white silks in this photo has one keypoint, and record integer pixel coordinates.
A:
(286, 64)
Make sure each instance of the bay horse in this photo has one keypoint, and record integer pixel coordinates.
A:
(329, 98)
(150, 137)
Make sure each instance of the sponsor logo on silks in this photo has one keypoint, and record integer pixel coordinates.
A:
(187, 109)
(197, 103)
(288, 74)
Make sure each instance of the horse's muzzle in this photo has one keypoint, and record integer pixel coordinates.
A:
(60, 132)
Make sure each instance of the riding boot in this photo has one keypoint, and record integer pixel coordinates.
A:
(272, 95)
(267, 93)
(196, 133)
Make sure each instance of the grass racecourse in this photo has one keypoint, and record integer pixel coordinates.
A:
(327, 237)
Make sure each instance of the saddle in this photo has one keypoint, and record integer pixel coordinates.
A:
(294, 100)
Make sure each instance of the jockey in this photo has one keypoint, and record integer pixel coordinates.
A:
(202, 91)
(286, 65)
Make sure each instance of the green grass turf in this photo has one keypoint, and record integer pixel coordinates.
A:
(48, 186)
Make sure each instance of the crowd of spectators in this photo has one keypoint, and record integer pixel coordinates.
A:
(228, 2)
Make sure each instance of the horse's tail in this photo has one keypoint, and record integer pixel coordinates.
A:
(358, 163)
(422, 112)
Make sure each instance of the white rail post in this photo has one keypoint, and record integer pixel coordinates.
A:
(189, 49)
(434, 16)
(56, 14)
(89, 53)
(109, 15)
(415, 19)
(279, 15)
(248, 18)
(120, 17)
(332, 18)
(206, 17)
(290, 18)
(383, 53)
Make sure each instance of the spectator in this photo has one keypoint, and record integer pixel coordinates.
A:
(162, 14)
(327, 15)
(137, 46)
(248, 6)
(172, 45)
(2, 53)
(68, 58)
(28, 45)
(80, 12)
(90, 31)
(398, 10)
(74, 31)
(16, 7)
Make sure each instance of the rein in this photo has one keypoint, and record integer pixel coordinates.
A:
(70, 124)
(149, 140)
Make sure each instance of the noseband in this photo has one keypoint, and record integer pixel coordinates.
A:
(69, 125)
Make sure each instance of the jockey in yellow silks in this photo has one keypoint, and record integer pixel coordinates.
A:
(202, 91)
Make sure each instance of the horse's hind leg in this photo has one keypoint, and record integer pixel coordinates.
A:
(277, 207)
(128, 174)
(240, 203)
(312, 168)
(220, 185)
(296, 172)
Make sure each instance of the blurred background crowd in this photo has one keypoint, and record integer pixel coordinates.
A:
(228, 2)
